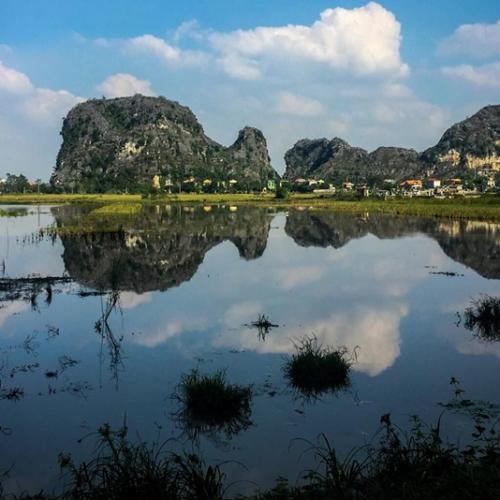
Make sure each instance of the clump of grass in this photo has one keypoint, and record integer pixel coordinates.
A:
(210, 404)
(483, 318)
(121, 209)
(314, 369)
(13, 212)
(124, 470)
(263, 325)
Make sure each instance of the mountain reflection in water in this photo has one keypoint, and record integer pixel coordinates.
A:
(167, 245)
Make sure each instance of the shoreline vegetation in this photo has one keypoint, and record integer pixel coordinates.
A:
(486, 207)
(418, 463)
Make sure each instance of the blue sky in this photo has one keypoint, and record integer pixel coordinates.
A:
(386, 73)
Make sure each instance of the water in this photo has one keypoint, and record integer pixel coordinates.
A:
(188, 280)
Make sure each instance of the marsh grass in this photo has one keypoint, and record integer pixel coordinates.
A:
(313, 369)
(116, 209)
(485, 207)
(483, 318)
(414, 464)
(418, 463)
(210, 404)
(123, 470)
(13, 212)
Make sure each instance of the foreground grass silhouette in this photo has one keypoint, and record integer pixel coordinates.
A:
(417, 464)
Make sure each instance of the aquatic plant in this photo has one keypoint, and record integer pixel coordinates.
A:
(124, 470)
(314, 369)
(263, 325)
(483, 318)
(210, 404)
(394, 464)
(13, 212)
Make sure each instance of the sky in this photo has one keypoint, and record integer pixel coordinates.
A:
(373, 73)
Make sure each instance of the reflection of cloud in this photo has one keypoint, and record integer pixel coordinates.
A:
(297, 276)
(465, 343)
(129, 300)
(242, 312)
(10, 308)
(375, 331)
(171, 329)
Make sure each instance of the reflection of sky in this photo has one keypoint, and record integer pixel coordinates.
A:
(374, 294)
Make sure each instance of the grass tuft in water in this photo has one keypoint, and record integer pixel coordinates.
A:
(483, 318)
(211, 404)
(314, 369)
(13, 212)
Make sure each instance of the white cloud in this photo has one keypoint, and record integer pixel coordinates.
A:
(364, 40)
(166, 52)
(156, 46)
(293, 104)
(479, 40)
(13, 81)
(124, 84)
(38, 104)
(49, 106)
(487, 75)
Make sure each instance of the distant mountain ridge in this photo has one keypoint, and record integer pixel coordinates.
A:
(122, 142)
(472, 144)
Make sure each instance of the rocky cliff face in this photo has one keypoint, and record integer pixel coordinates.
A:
(120, 143)
(471, 144)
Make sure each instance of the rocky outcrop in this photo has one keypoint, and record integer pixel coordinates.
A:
(124, 142)
(471, 144)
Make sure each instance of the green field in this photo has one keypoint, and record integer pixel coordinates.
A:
(485, 207)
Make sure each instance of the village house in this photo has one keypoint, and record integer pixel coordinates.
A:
(432, 183)
(362, 190)
(411, 185)
(347, 186)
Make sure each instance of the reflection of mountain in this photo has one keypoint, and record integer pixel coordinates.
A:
(472, 243)
(161, 249)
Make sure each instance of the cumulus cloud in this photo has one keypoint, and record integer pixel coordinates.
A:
(364, 40)
(38, 104)
(124, 84)
(486, 75)
(479, 40)
(156, 46)
(293, 104)
(166, 52)
(360, 41)
(13, 81)
(47, 105)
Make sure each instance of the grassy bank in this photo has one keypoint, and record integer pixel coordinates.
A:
(485, 207)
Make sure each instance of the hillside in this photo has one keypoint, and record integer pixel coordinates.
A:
(124, 142)
(469, 146)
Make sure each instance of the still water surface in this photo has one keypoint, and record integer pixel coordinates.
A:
(181, 284)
